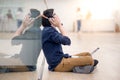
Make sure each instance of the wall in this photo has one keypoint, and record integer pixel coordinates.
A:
(102, 11)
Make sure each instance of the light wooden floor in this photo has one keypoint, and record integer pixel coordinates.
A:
(108, 56)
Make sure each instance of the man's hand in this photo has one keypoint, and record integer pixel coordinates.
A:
(55, 21)
(27, 21)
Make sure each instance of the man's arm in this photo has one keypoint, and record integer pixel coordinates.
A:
(26, 22)
(57, 23)
(20, 30)
(62, 30)
(63, 39)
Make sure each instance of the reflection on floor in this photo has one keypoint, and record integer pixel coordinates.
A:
(6, 35)
(108, 56)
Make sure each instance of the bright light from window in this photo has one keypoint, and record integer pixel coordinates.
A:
(100, 9)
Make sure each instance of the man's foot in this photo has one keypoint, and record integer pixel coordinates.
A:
(95, 62)
(84, 69)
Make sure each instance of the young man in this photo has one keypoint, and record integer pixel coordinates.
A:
(31, 43)
(51, 44)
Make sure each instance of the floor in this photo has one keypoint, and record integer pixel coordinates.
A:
(108, 56)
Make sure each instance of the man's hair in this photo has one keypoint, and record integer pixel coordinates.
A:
(35, 13)
(48, 13)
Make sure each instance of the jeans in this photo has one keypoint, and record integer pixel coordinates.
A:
(19, 22)
(78, 25)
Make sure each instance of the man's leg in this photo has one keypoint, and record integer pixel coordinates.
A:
(18, 69)
(78, 25)
(83, 54)
(67, 64)
(87, 54)
(5, 69)
(14, 65)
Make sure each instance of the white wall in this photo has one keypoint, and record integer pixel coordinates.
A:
(102, 11)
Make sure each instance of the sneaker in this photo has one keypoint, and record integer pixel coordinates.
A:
(95, 62)
(83, 69)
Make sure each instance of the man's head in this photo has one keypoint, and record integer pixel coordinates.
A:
(78, 9)
(33, 14)
(48, 14)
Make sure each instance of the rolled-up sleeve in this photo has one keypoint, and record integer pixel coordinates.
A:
(59, 38)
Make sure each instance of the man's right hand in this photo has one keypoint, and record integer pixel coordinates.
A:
(55, 21)
(27, 21)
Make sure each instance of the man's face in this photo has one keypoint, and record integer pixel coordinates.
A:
(55, 15)
(56, 19)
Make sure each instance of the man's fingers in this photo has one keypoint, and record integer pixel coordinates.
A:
(27, 17)
(31, 21)
(50, 19)
(27, 20)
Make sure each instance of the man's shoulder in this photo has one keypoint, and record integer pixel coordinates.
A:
(49, 29)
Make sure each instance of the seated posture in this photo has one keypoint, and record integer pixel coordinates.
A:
(31, 43)
(51, 44)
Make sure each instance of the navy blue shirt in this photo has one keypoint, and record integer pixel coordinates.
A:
(51, 44)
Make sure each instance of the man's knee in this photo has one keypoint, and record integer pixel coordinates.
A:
(85, 54)
(89, 60)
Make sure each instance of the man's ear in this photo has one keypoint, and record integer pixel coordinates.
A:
(49, 19)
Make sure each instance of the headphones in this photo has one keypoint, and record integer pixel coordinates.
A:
(46, 18)
(43, 17)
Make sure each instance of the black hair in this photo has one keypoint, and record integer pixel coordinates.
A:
(48, 13)
(35, 13)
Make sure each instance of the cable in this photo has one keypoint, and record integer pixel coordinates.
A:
(45, 1)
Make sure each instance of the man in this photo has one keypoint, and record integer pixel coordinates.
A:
(51, 44)
(78, 19)
(31, 43)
